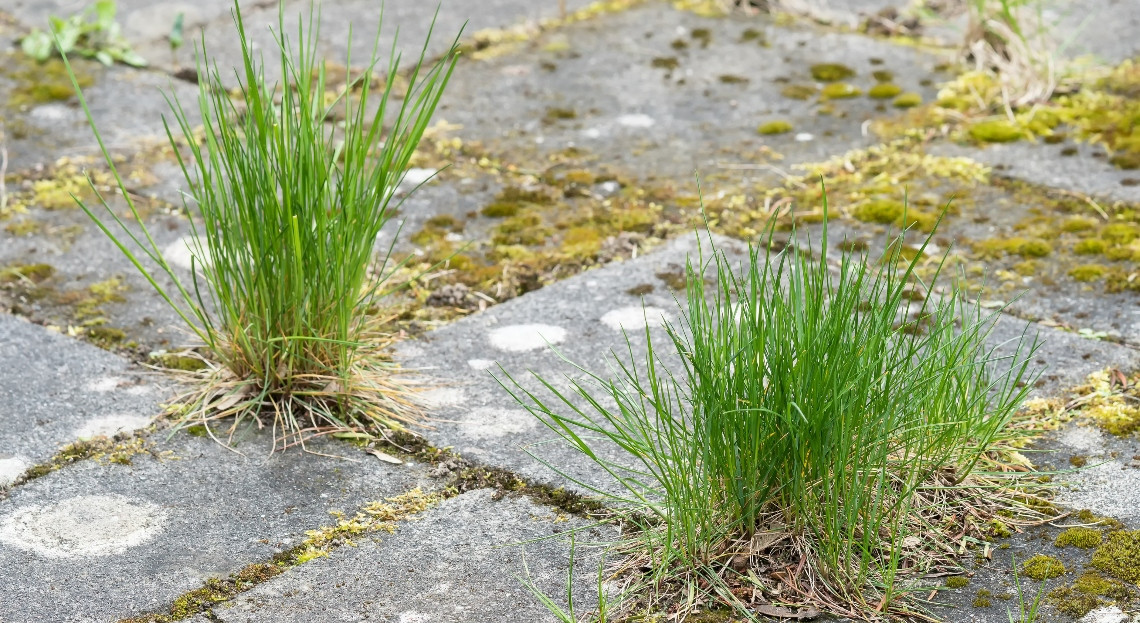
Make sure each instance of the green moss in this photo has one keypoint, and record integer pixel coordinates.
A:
(1118, 254)
(1089, 246)
(668, 63)
(1084, 538)
(525, 229)
(35, 273)
(178, 361)
(774, 127)
(1027, 268)
(42, 83)
(446, 221)
(839, 90)
(106, 336)
(999, 530)
(907, 100)
(995, 131)
(559, 114)
(982, 599)
(1119, 233)
(752, 34)
(831, 72)
(891, 212)
(884, 91)
(581, 242)
(1087, 516)
(1042, 567)
(883, 75)
(22, 227)
(640, 289)
(1087, 272)
(799, 91)
(1078, 460)
(679, 44)
(1129, 160)
(1034, 248)
(733, 79)
(1072, 602)
(500, 209)
(704, 35)
(197, 430)
(1119, 555)
(957, 581)
(1115, 417)
(1077, 224)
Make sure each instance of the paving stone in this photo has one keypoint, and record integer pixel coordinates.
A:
(623, 89)
(457, 563)
(577, 316)
(55, 389)
(100, 542)
(412, 18)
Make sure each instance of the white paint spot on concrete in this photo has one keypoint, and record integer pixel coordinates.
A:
(1111, 614)
(89, 525)
(495, 422)
(11, 468)
(103, 384)
(635, 317)
(111, 425)
(804, 137)
(179, 252)
(592, 133)
(1083, 439)
(519, 338)
(636, 121)
(415, 177)
(442, 397)
(480, 364)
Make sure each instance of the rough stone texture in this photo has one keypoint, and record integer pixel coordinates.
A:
(54, 386)
(153, 530)
(457, 563)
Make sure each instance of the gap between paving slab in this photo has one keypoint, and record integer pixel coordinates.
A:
(99, 542)
(457, 563)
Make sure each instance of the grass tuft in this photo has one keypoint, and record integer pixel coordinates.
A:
(808, 433)
(289, 184)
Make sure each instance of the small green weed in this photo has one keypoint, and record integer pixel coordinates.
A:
(94, 33)
(290, 204)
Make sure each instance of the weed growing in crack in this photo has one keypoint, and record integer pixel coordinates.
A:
(804, 439)
(290, 204)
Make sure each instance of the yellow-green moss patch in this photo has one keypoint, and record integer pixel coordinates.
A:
(34, 273)
(831, 72)
(1034, 248)
(1042, 567)
(1087, 272)
(883, 75)
(957, 581)
(908, 100)
(839, 90)
(775, 127)
(799, 91)
(1077, 224)
(1084, 538)
(995, 131)
(884, 91)
(1089, 246)
(1119, 233)
(1119, 555)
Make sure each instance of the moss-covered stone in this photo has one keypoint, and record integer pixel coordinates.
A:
(1078, 536)
(995, 131)
(775, 127)
(1087, 272)
(839, 90)
(884, 91)
(1042, 567)
(831, 72)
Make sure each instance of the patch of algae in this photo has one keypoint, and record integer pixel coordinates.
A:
(1088, 592)
(496, 42)
(1042, 567)
(1107, 403)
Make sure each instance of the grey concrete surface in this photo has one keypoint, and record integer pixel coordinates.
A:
(99, 541)
(55, 390)
(458, 563)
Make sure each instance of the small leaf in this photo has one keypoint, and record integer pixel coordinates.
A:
(105, 13)
(103, 57)
(37, 44)
(387, 458)
(132, 58)
(176, 32)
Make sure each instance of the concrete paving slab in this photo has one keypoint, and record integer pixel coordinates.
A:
(456, 563)
(667, 93)
(101, 541)
(580, 316)
(55, 389)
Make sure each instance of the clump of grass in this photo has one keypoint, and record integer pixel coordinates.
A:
(290, 205)
(799, 428)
